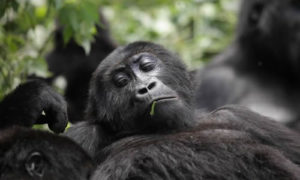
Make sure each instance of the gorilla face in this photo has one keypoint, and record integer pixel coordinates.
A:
(27, 154)
(273, 27)
(138, 87)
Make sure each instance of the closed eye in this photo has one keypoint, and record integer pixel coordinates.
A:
(147, 64)
(146, 67)
(121, 79)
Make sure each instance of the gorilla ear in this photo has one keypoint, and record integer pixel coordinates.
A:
(255, 13)
(35, 164)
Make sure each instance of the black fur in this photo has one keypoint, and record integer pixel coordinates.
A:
(174, 142)
(261, 69)
(30, 154)
(24, 107)
(116, 112)
(230, 143)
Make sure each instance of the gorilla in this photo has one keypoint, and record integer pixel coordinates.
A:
(141, 124)
(208, 153)
(70, 61)
(261, 69)
(28, 154)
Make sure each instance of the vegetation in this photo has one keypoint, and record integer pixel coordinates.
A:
(196, 29)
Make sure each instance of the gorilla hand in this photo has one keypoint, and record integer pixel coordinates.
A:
(24, 107)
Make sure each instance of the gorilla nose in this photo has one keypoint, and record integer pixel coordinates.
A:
(145, 90)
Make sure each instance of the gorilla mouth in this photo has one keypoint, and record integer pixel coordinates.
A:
(160, 99)
(165, 98)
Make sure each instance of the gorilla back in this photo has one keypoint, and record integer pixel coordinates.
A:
(193, 155)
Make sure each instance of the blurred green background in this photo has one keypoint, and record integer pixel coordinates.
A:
(195, 29)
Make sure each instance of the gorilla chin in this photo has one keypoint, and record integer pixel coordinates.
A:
(167, 113)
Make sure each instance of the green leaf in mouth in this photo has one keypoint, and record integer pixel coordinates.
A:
(152, 108)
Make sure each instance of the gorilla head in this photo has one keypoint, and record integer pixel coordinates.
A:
(27, 154)
(138, 87)
(270, 29)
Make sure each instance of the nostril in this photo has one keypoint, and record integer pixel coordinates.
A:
(142, 91)
(152, 85)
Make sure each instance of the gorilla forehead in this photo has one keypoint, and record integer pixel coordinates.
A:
(123, 54)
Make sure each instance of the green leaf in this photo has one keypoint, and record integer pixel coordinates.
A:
(6, 4)
(67, 33)
(152, 108)
(40, 12)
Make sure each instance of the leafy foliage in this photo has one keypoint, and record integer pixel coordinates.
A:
(196, 29)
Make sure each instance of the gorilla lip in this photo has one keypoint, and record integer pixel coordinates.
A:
(160, 99)
(164, 98)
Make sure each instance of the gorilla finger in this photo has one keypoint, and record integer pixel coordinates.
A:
(57, 119)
